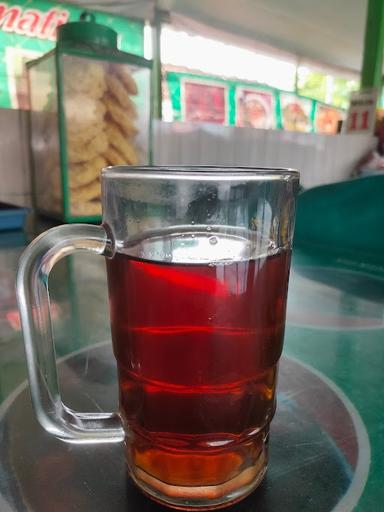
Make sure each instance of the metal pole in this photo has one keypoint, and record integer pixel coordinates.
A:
(371, 73)
(159, 17)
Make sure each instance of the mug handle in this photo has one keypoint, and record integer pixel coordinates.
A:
(35, 265)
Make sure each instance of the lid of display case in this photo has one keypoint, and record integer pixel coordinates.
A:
(88, 32)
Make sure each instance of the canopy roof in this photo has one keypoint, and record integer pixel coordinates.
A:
(326, 31)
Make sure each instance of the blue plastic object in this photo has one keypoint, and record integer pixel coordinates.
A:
(12, 217)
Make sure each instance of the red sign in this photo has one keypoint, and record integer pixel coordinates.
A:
(32, 22)
(361, 116)
(204, 102)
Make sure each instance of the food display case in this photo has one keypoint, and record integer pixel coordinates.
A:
(90, 108)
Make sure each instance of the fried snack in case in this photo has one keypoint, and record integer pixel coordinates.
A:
(87, 192)
(78, 152)
(126, 78)
(86, 78)
(84, 173)
(113, 157)
(101, 127)
(125, 118)
(121, 144)
(86, 208)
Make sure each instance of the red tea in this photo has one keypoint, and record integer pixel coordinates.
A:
(197, 347)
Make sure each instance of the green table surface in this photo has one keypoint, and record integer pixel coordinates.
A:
(335, 327)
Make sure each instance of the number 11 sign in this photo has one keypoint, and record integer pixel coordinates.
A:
(361, 116)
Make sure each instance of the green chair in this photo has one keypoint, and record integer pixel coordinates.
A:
(345, 218)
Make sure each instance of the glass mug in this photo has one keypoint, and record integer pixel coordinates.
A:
(198, 263)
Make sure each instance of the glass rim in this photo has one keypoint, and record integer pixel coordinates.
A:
(203, 172)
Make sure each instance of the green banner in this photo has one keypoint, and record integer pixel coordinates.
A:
(27, 30)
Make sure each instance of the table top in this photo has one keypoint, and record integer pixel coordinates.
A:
(327, 437)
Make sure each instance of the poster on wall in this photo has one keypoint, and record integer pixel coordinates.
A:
(28, 30)
(328, 119)
(204, 101)
(296, 113)
(255, 108)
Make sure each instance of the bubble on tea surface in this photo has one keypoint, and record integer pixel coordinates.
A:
(213, 240)
(209, 228)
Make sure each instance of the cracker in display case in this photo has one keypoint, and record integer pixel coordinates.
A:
(96, 113)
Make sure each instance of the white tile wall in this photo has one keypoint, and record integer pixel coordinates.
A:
(320, 158)
(15, 170)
